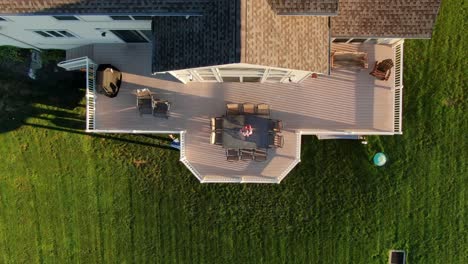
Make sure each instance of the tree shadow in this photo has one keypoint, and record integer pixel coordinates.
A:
(55, 95)
(106, 136)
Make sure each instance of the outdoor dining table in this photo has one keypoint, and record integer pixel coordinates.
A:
(233, 138)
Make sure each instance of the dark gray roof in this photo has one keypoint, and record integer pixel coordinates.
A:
(198, 41)
(101, 6)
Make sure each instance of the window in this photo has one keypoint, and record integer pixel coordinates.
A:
(357, 40)
(231, 79)
(66, 34)
(121, 17)
(42, 33)
(66, 18)
(54, 33)
(131, 17)
(338, 40)
(148, 34)
(251, 79)
(141, 17)
(130, 36)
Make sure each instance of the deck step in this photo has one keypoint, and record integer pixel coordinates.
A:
(355, 137)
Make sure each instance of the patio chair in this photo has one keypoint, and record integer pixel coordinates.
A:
(260, 155)
(271, 140)
(160, 108)
(278, 141)
(246, 154)
(248, 108)
(144, 101)
(382, 70)
(348, 59)
(232, 154)
(232, 109)
(262, 109)
(276, 125)
(216, 123)
(216, 138)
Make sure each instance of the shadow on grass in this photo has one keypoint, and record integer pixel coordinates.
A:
(106, 136)
(22, 97)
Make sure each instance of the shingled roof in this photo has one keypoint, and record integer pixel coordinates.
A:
(292, 42)
(278, 33)
(198, 41)
(385, 18)
(101, 6)
(304, 7)
(256, 35)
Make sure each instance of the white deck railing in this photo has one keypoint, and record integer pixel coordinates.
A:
(398, 110)
(296, 160)
(90, 96)
(398, 51)
(90, 67)
(398, 92)
(184, 160)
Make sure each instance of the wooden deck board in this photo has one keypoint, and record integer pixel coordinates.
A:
(344, 101)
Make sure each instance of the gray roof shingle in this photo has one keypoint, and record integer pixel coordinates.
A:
(198, 41)
(291, 42)
(385, 18)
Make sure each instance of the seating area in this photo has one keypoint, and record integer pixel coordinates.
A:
(246, 132)
(148, 103)
(299, 109)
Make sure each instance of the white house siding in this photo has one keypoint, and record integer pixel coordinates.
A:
(8, 41)
(88, 30)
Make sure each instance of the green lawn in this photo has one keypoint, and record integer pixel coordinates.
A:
(66, 196)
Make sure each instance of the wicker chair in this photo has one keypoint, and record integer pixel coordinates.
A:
(248, 108)
(262, 109)
(260, 155)
(246, 154)
(216, 138)
(216, 123)
(160, 108)
(275, 141)
(382, 70)
(232, 154)
(144, 101)
(278, 141)
(232, 109)
(276, 125)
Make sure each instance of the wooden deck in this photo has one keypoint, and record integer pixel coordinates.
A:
(345, 101)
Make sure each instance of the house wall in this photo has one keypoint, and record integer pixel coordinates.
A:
(18, 30)
(240, 72)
